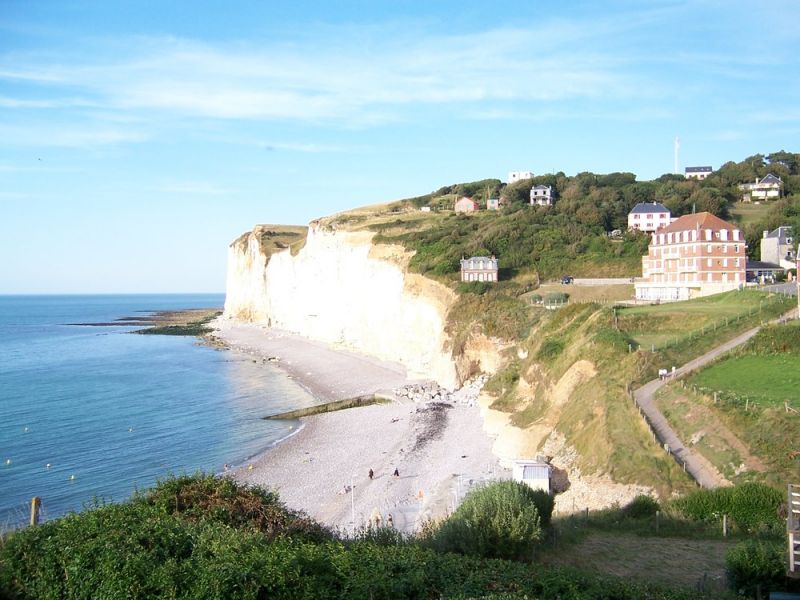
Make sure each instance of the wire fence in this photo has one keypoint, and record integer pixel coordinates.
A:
(18, 516)
(745, 402)
(709, 328)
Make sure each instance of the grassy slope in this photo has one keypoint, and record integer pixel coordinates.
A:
(764, 437)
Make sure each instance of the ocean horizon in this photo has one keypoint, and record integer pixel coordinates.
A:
(93, 413)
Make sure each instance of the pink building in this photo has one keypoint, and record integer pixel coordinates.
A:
(697, 255)
(466, 205)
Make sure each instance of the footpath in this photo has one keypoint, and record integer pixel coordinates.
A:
(697, 466)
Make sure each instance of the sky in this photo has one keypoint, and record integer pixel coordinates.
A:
(137, 140)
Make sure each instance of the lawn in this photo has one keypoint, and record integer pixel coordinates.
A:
(771, 379)
(745, 213)
(673, 322)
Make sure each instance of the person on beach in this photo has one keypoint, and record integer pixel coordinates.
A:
(371, 473)
(396, 472)
(389, 520)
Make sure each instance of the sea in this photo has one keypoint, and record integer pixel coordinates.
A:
(91, 414)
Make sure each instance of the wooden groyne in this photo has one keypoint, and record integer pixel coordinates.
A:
(318, 409)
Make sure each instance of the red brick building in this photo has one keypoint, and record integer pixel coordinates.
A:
(696, 255)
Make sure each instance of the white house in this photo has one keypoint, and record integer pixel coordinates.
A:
(494, 203)
(697, 172)
(765, 189)
(542, 195)
(535, 473)
(777, 247)
(515, 176)
(479, 268)
(648, 217)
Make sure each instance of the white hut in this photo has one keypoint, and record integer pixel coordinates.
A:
(535, 473)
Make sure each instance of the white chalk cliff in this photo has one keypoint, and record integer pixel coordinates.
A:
(341, 288)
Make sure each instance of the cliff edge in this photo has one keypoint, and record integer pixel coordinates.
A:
(338, 287)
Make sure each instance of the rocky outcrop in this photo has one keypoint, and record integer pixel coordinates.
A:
(342, 289)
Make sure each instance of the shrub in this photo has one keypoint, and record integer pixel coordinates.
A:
(550, 348)
(497, 521)
(556, 298)
(640, 507)
(754, 564)
(545, 503)
(750, 505)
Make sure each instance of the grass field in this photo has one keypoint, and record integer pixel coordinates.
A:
(696, 564)
(771, 379)
(673, 322)
(745, 213)
(589, 293)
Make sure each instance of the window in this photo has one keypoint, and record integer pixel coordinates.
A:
(737, 262)
(710, 262)
(736, 248)
(708, 249)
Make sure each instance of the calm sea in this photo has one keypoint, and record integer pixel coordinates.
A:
(111, 412)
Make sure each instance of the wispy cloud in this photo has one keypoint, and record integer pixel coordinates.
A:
(68, 136)
(197, 188)
(317, 81)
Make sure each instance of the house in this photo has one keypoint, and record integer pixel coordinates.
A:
(757, 270)
(535, 473)
(697, 172)
(767, 188)
(696, 255)
(542, 195)
(425, 209)
(466, 205)
(648, 217)
(777, 247)
(495, 203)
(515, 176)
(479, 268)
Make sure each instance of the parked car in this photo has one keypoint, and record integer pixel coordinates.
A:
(566, 279)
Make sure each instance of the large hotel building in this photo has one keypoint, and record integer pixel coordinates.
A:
(696, 255)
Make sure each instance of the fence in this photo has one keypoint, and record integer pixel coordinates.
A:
(793, 530)
(739, 401)
(768, 302)
(23, 515)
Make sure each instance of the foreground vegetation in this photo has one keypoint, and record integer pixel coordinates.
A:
(203, 537)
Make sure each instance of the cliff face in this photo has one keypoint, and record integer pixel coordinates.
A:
(340, 288)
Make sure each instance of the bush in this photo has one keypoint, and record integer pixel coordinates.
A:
(755, 564)
(545, 503)
(497, 521)
(640, 507)
(550, 348)
(750, 505)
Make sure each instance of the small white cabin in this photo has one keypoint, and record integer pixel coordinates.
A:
(535, 473)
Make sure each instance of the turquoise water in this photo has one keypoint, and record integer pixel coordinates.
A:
(111, 412)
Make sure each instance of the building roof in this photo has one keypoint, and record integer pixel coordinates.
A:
(781, 232)
(491, 260)
(770, 178)
(698, 170)
(541, 187)
(649, 207)
(757, 265)
(703, 220)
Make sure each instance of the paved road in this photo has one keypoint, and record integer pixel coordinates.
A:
(696, 466)
(645, 398)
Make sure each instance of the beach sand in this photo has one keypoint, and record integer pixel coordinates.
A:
(440, 450)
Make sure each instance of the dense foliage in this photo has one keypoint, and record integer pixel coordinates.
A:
(201, 537)
(501, 520)
(751, 506)
(757, 566)
(642, 506)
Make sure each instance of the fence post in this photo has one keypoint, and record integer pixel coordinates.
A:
(36, 504)
(724, 525)
(658, 515)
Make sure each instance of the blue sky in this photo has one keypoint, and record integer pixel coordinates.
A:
(138, 139)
